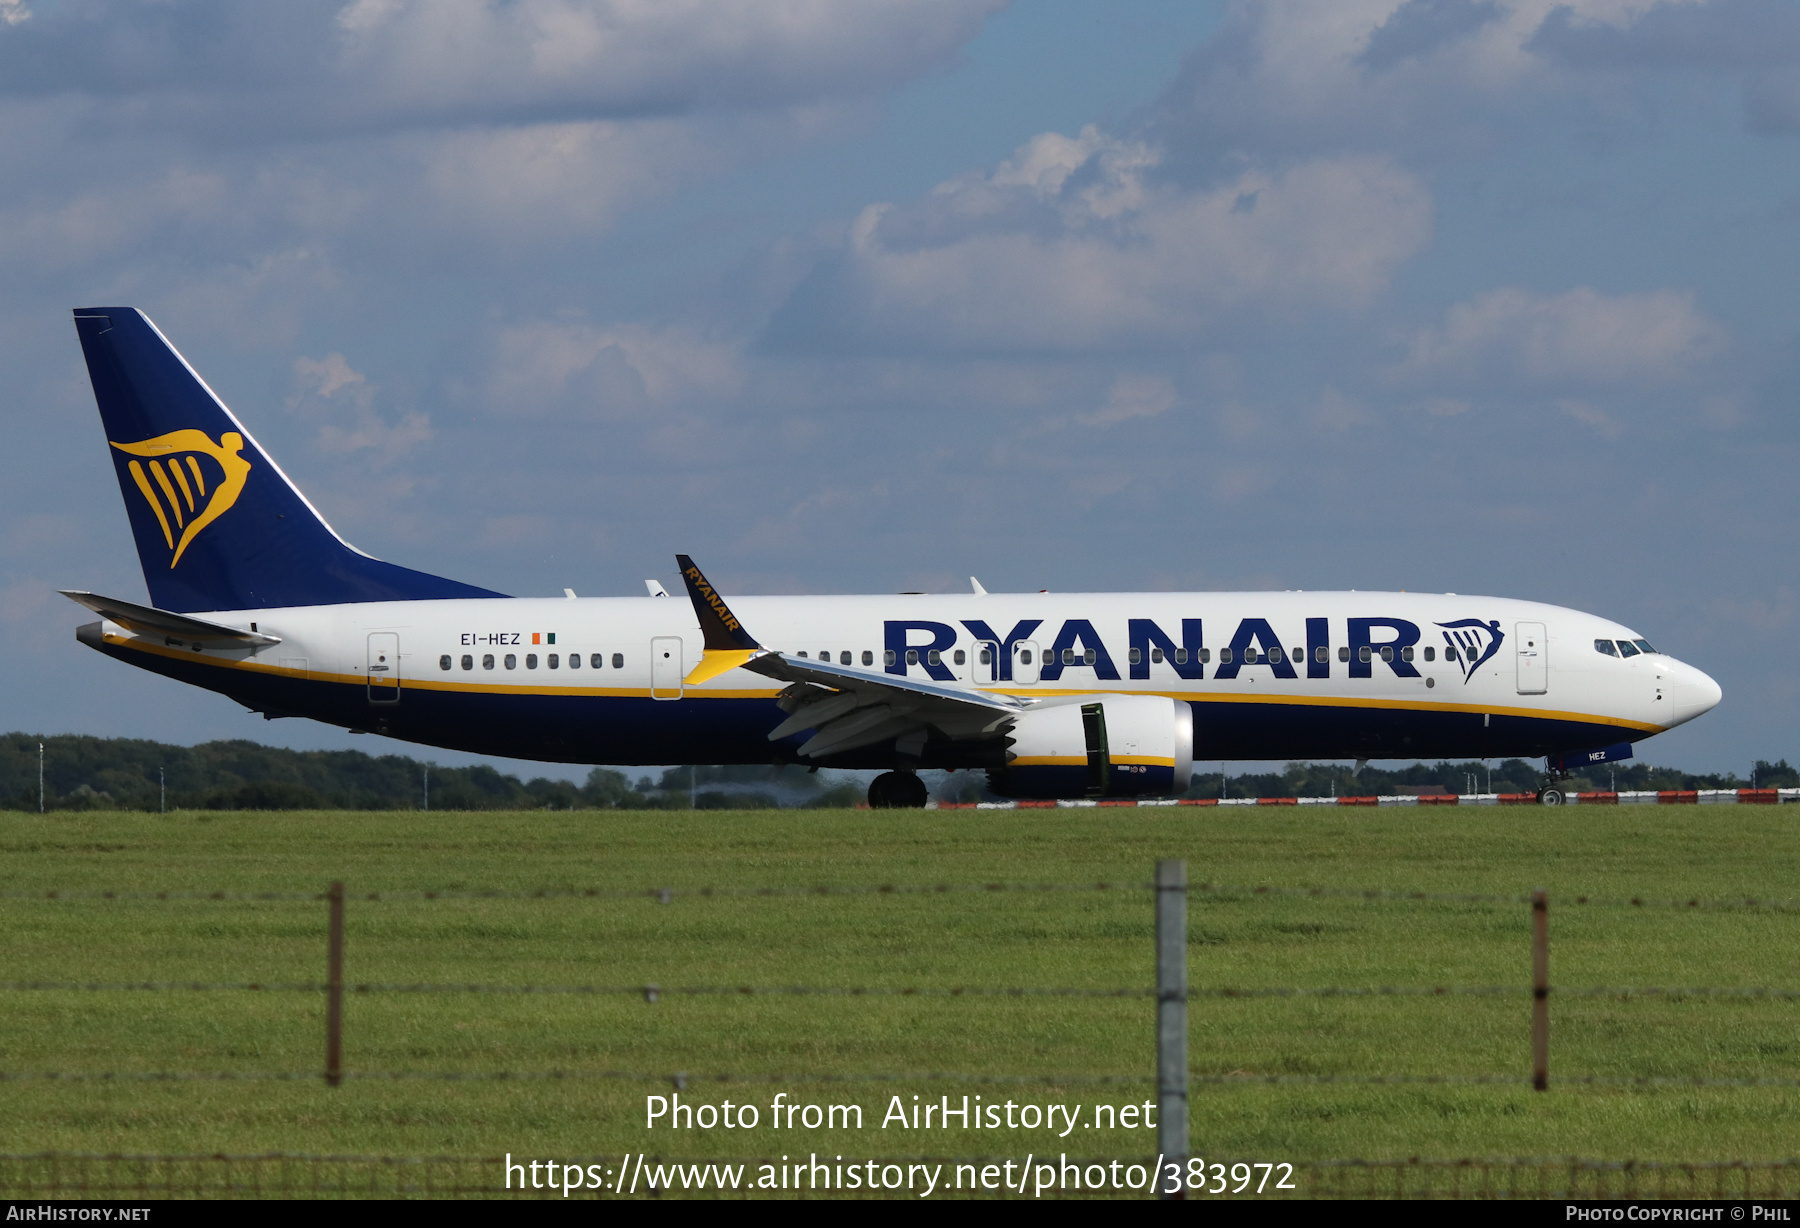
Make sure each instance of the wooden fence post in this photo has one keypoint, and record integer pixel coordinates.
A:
(1171, 1024)
(1540, 991)
(334, 989)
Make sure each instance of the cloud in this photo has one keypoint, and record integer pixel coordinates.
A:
(1431, 79)
(328, 376)
(1076, 242)
(1420, 27)
(1578, 337)
(1593, 416)
(548, 367)
(330, 388)
(1756, 41)
(1133, 396)
(180, 144)
(324, 67)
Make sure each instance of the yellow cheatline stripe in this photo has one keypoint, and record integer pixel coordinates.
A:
(143, 483)
(1333, 701)
(430, 684)
(1081, 761)
(414, 684)
(716, 661)
(162, 480)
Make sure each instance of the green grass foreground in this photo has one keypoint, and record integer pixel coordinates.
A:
(1062, 939)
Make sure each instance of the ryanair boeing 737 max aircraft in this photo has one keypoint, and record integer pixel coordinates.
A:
(254, 596)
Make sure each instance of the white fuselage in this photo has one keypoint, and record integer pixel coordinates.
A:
(599, 680)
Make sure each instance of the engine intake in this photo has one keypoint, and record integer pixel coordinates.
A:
(1099, 746)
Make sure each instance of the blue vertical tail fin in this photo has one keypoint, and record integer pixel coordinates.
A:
(218, 525)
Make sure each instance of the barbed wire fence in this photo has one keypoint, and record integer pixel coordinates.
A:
(294, 1175)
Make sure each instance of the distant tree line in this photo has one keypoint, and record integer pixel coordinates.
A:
(86, 773)
(1503, 776)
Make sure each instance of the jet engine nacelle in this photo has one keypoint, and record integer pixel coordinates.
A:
(1099, 746)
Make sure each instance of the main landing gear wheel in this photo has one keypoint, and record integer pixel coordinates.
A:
(1550, 796)
(897, 791)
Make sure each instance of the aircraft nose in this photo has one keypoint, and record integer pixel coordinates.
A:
(1691, 693)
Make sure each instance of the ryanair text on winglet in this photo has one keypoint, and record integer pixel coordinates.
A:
(712, 599)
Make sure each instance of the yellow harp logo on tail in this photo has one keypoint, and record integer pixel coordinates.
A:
(183, 494)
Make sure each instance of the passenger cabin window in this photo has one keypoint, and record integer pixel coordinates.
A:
(1627, 648)
(801, 654)
(1275, 655)
(552, 660)
(844, 657)
(531, 660)
(986, 656)
(912, 656)
(1643, 645)
(888, 658)
(618, 661)
(1224, 656)
(1322, 655)
(468, 662)
(1606, 647)
(1025, 656)
(1363, 654)
(961, 658)
(1406, 654)
(444, 661)
(1089, 657)
(1449, 654)
(597, 660)
(512, 662)
(1181, 655)
(1430, 654)
(1343, 654)
(1136, 656)
(932, 658)
(1387, 652)
(1155, 656)
(1205, 655)
(868, 657)
(574, 660)
(487, 661)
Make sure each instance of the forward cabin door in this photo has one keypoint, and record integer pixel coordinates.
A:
(1025, 663)
(1534, 658)
(384, 667)
(984, 662)
(665, 667)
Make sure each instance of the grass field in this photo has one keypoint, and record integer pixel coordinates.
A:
(1061, 939)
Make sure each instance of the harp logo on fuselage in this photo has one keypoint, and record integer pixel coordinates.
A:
(1474, 642)
(188, 480)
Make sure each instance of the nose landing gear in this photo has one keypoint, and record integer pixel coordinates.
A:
(1551, 791)
(897, 791)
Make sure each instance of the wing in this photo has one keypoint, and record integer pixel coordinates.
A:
(846, 708)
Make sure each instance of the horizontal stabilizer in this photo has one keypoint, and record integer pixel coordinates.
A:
(148, 620)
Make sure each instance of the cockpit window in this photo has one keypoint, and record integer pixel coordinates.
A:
(1606, 646)
(1627, 648)
(1644, 646)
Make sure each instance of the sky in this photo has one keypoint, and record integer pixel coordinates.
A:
(1482, 296)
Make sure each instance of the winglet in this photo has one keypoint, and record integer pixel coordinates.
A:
(728, 645)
